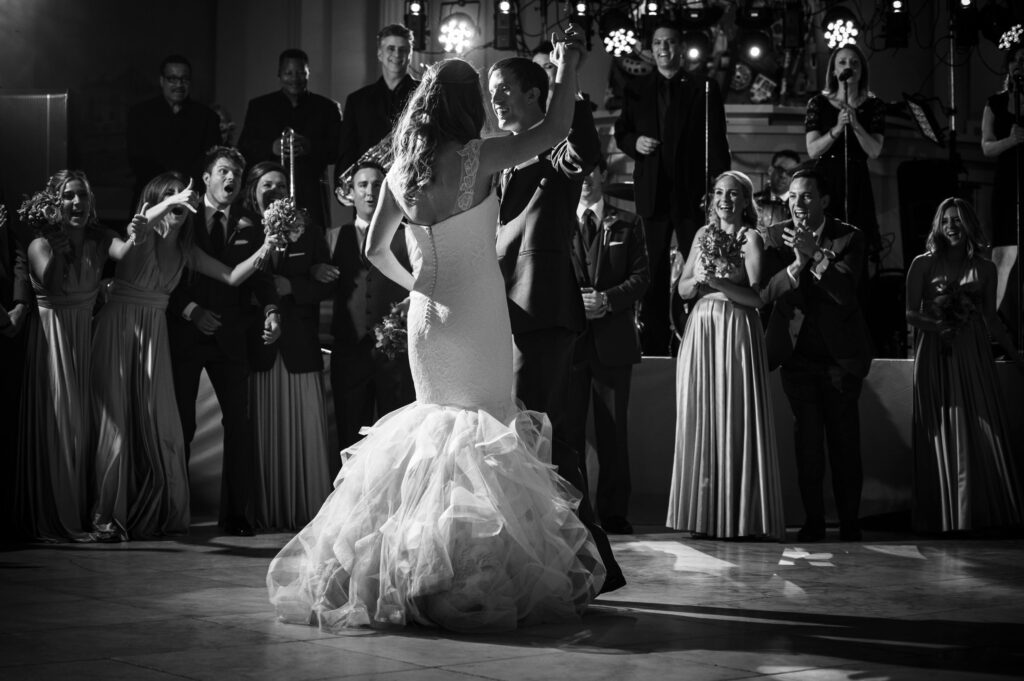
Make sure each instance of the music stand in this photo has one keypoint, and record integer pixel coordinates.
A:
(922, 114)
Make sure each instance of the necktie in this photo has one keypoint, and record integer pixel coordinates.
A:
(217, 235)
(589, 227)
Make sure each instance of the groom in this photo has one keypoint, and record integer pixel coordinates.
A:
(535, 226)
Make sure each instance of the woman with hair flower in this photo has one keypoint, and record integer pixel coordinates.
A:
(725, 479)
(963, 469)
(141, 481)
(54, 454)
(289, 417)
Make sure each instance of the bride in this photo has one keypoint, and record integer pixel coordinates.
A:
(448, 512)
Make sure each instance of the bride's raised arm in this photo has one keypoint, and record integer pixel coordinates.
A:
(383, 227)
(498, 153)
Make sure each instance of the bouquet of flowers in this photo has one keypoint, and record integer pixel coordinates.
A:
(283, 218)
(42, 213)
(953, 306)
(391, 334)
(720, 252)
(381, 153)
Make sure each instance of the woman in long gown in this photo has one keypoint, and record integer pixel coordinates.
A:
(54, 453)
(725, 476)
(449, 511)
(289, 415)
(141, 480)
(964, 477)
(846, 116)
(1001, 137)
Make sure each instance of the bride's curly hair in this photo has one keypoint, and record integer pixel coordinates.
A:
(447, 106)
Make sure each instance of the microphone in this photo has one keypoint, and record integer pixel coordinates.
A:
(845, 74)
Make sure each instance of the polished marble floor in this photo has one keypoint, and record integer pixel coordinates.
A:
(892, 607)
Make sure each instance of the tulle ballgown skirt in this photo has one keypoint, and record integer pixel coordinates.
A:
(291, 447)
(963, 473)
(725, 476)
(442, 516)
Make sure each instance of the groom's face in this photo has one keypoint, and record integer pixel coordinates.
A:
(515, 109)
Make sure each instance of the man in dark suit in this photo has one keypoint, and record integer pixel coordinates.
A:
(172, 131)
(371, 111)
(366, 384)
(535, 227)
(16, 301)
(609, 257)
(817, 333)
(207, 324)
(316, 121)
(662, 128)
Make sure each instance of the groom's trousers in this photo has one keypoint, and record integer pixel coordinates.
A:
(542, 362)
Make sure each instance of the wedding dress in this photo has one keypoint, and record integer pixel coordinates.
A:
(448, 511)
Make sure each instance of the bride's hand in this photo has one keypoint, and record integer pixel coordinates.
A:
(186, 198)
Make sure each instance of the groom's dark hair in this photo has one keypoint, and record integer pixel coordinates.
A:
(527, 74)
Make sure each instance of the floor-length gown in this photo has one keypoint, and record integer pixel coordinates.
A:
(725, 476)
(449, 511)
(141, 478)
(55, 451)
(963, 473)
(289, 415)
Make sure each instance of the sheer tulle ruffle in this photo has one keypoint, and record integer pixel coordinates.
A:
(445, 516)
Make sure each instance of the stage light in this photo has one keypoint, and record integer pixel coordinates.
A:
(754, 46)
(965, 23)
(696, 46)
(994, 20)
(793, 29)
(840, 28)
(754, 18)
(618, 33)
(700, 17)
(583, 18)
(457, 33)
(897, 25)
(504, 26)
(416, 21)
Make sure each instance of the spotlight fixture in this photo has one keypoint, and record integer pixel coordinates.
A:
(457, 33)
(505, 12)
(754, 46)
(897, 24)
(754, 18)
(583, 17)
(964, 22)
(416, 21)
(840, 28)
(699, 17)
(651, 16)
(994, 20)
(618, 33)
(696, 46)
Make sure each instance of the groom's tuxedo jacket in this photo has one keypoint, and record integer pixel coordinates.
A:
(536, 223)
(832, 317)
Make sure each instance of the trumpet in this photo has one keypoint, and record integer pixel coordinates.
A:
(380, 153)
(288, 143)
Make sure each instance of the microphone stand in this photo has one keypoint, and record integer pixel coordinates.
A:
(846, 155)
(1018, 82)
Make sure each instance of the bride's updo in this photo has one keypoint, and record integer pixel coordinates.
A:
(446, 107)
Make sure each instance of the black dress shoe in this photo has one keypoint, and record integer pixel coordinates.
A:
(612, 582)
(238, 528)
(616, 525)
(809, 534)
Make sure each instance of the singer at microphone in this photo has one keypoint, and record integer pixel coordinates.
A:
(845, 126)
